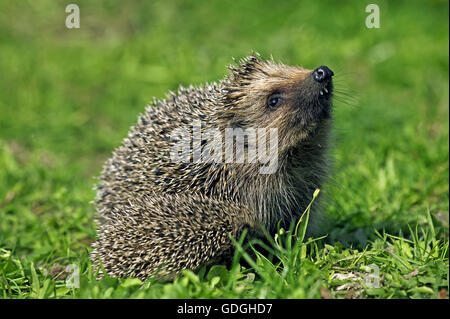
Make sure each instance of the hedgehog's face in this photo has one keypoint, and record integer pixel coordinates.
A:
(292, 99)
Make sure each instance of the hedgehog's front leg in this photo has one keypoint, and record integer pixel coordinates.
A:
(158, 236)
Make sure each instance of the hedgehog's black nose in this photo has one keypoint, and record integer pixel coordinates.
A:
(322, 73)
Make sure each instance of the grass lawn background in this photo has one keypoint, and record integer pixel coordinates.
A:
(69, 96)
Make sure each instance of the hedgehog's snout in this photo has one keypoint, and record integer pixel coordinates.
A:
(322, 74)
(322, 77)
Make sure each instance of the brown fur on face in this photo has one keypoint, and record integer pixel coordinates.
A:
(301, 111)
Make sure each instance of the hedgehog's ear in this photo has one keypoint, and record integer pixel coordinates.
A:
(246, 66)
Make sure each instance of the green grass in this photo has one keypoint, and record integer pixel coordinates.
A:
(68, 97)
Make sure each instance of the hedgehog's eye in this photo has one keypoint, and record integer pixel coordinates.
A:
(273, 100)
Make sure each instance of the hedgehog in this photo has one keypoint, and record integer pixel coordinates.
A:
(162, 207)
